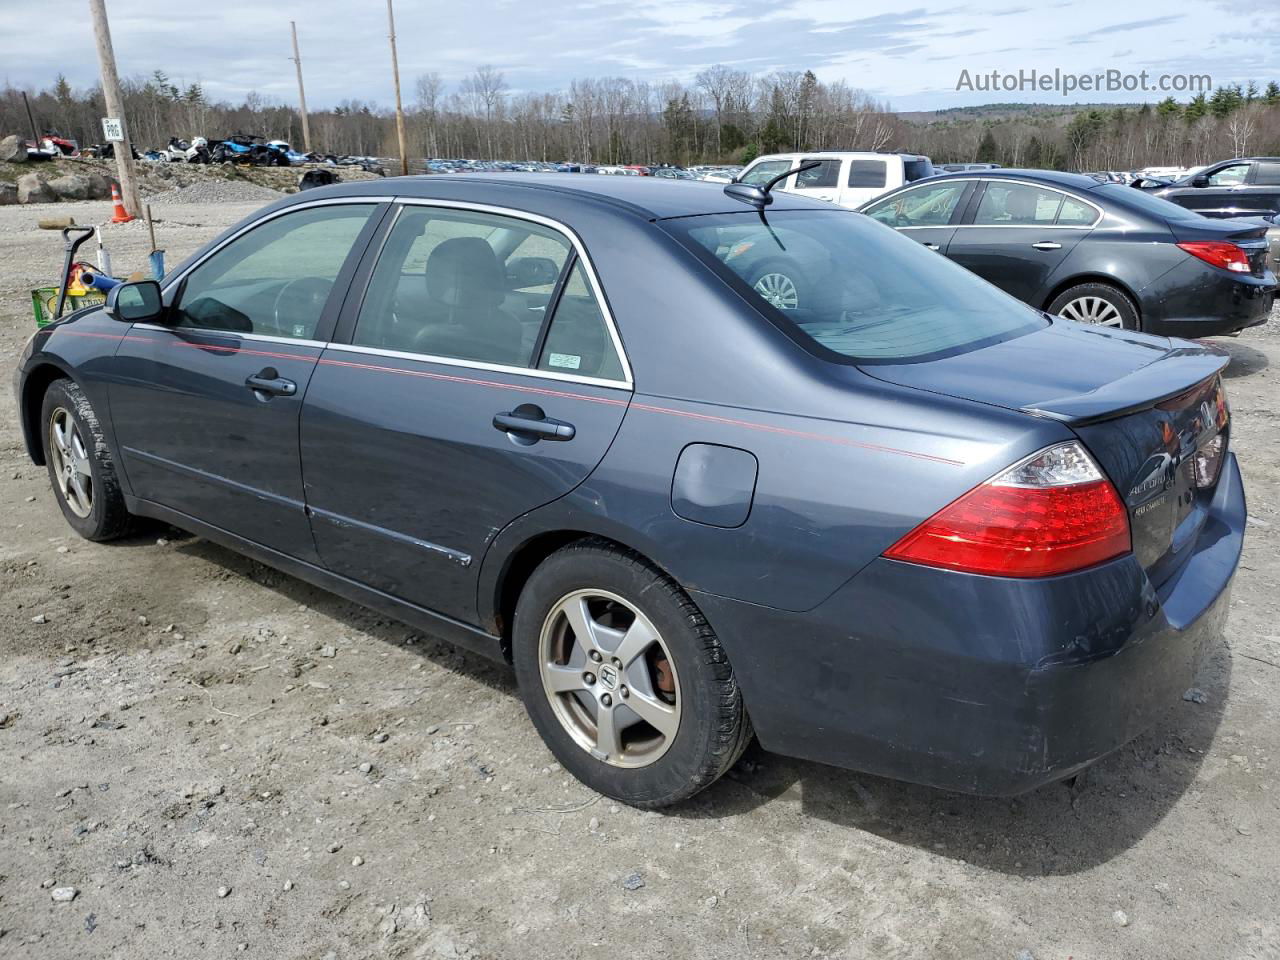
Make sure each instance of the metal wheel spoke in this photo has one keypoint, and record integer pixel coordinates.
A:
(638, 638)
(60, 436)
(608, 735)
(81, 465)
(661, 716)
(563, 679)
(579, 618)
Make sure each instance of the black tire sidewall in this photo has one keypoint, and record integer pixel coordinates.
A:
(68, 396)
(679, 772)
(1129, 318)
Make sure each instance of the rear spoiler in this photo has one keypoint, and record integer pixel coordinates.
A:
(1176, 372)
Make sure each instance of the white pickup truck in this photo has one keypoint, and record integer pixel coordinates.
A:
(846, 179)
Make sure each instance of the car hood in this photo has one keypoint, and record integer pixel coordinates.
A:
(1068, 371)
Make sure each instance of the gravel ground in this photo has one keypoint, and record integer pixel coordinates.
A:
(204, 757)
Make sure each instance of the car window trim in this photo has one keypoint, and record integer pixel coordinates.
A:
(578, 251)
(176, 283)
(975, 202)
(549, 312)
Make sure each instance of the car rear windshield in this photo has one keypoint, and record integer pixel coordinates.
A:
(852, 289)
(1145, 202)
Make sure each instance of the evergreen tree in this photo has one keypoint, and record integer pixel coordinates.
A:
(1197, 108)
(1272, 94)
(1034, 156)
(1168, 108)
(988, 152)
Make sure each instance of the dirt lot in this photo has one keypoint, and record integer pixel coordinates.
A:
(223, 761)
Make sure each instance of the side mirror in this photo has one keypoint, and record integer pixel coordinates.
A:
(135, 302)
(1200, 180)
(532, 272)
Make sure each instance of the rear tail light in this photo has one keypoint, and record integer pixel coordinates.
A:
(1051, 513)
(1220, 254)
(1208, 461)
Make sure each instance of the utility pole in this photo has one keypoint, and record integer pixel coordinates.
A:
(395, 71)
(302, 95)
(115, 107)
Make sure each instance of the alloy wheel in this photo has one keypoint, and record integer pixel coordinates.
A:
(1094, 310)
(70, 461)
(609, 678)
(779, 290)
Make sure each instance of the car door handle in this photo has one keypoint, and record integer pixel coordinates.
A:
(269, 382)
(931, 246)
(1047, 245)
(528, 421)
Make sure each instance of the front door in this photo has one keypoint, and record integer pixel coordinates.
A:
(925, 213)
(482, 380)
(205, 405)
(1019, 235)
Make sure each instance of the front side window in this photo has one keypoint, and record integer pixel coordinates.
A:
(867, 173)
(1229, 176)
(275, 279)
(851, 290)
(825, 174)
(1017, 204)
(765, 171)
(924, 206)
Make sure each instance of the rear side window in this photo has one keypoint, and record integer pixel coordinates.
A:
(765, 171)
(577, 339)
(275, 279)
(1076, 213)
(826, 174)
(1017, 204)
(1268, 174)
(867, 173)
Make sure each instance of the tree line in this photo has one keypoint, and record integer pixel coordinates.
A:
(723, 115)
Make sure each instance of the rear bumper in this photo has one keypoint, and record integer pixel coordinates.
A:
(1197, 300)
(981, 684)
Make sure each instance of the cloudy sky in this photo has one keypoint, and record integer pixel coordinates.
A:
(911, 57)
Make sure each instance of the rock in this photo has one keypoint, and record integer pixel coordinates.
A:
(1024, 955)
(13, 149)
(594, 824)
(288, 885)
(357, 861)
(328, 651)
(1196, 695)
(633, 882)
(1121, 918)
(39, 618)
(99, 187)
(380, 738)
(8, 194)
(366, 767)
(33, 188)
(73, 186)
(224, 891)
(64, 894)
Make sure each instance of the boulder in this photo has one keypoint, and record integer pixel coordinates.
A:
(8, 194)
(73, 186)
(13, 149)
(99, 187)
(32, 188)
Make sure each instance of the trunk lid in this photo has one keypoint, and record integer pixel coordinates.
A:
(1250, 234)
(1144, 406)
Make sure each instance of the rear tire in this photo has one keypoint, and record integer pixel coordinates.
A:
(1097, 303)
(578, 693)
(781, 285)
(81, 467)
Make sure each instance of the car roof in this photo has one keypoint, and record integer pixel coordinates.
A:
(1050, 178)
(555, 194)
(840, 153)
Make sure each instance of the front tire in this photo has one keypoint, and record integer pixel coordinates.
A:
(1097, 303)
(81, 468)
(624, 678)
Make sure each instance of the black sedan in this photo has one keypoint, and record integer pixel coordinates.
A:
(1092, 251)
(909, 525)
(1244, 187)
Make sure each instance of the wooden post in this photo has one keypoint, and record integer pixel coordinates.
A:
(115, 107)
(302, 95)
(35, 131)
(395, 72)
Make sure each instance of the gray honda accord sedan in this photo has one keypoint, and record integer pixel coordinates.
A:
(907, 525)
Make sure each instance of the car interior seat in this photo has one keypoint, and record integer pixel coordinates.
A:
(462, 314)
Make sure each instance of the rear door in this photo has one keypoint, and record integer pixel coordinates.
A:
(472, 384)
(821, 182)
(927, 213)
(205, 406)
(1264, 189)
(1019, 234)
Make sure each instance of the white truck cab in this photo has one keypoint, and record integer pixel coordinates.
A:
(846, 179)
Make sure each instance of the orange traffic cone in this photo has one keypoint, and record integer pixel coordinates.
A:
(118, 214)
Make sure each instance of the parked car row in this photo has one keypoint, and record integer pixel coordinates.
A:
(868, 508)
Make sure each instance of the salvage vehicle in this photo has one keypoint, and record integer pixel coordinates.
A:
(247, 148)
(846, 179)
(1091, 250)
(912, 527)
(1244, 187)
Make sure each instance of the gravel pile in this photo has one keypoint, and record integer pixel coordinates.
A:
(218, 191)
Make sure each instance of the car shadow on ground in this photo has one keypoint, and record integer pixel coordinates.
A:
(1060, 829)
(1245, 360)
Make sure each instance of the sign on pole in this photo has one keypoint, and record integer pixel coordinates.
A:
(112, 130)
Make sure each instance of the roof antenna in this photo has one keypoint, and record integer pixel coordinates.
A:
(759, 196)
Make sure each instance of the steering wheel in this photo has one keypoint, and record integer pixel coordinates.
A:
(298, 304)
